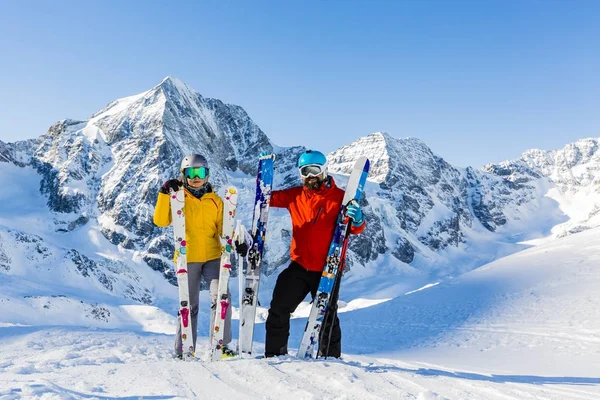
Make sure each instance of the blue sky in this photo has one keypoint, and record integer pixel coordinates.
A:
(478, 81)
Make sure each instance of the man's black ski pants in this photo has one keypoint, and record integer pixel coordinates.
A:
(292, 286)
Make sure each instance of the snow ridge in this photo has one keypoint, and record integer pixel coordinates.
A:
(426, 217)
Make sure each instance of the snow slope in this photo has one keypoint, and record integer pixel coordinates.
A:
(83, 316)
(538, 308)
(526, 326)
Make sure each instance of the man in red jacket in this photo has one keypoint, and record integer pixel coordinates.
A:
(314, 209)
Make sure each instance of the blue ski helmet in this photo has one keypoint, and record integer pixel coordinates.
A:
(313, 157)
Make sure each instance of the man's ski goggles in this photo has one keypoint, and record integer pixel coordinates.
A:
(199, 172)
(309, 170)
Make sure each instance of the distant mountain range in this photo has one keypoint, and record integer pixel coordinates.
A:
(424, 215)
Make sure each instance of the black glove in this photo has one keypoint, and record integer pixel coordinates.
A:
(241, 248)
(170, 184)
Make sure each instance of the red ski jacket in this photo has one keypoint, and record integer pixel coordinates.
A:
(314, 216)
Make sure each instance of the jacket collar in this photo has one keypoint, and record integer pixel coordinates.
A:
(201, 192)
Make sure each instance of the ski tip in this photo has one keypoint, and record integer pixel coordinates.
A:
(364, 161)
(267, 157)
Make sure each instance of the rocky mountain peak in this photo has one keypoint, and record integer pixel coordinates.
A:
(374, 147)
(576, 153)
(573, 180)
(571, 168)
(387, 154)
(5, 153)
(421, 210)
(109, 168)
(171, 82)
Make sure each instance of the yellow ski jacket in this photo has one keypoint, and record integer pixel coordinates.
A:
(203, 224)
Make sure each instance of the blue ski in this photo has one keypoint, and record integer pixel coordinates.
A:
(264, 184)
(335, 258)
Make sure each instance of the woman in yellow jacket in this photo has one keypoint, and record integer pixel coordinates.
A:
(203, 225)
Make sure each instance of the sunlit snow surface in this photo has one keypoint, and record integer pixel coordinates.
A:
(83, 318)
(523, 327)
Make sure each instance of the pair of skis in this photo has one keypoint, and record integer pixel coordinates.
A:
(249, 283)
(249, 288)
(223, 300)
(323, 310)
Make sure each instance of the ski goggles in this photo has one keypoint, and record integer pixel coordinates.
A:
(309, 170)
(199, 172)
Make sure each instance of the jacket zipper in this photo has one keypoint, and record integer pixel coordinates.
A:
(317, 216)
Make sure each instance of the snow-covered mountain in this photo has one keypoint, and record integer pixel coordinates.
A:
(99, 180)
(109, 168)
(428, 213)
(574, 170)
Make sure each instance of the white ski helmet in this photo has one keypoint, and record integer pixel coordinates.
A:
(193, 161)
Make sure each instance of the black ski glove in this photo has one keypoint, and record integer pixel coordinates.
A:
(170, 184)
(241, 248)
